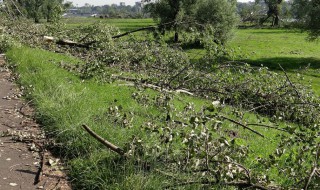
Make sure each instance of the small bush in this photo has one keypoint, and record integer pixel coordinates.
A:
(6, 42)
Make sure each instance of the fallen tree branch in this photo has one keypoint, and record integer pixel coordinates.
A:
(143, 83)
(65, 42)
(106, 143)
(240, 184)
(308, 181)
(38, 177)
(242, 125)
(288, 79)
(134, 31)
(144, 28)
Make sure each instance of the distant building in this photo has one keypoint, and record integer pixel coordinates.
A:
(144, 2)
(122, 4)
(73, 11)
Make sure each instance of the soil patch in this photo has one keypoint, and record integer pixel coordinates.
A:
(24, 162)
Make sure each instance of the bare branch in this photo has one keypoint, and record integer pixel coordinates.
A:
(240, 184)
(242, 125)
(142, 29)
(288, 79)
(106, 143)
(267, 126)
(314, 169)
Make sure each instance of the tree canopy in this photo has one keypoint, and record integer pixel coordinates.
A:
(37, 9)
(313, 20)
(307, 12)
(183, 14)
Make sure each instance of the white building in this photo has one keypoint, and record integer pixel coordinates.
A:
(144, 2)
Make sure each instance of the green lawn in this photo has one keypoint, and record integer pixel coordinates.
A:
(289, 48)
(271, 47)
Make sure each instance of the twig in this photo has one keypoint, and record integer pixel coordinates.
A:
(255, 108)
(38, 177)
(242, 125)
(314, 169)
(239, 165)
(267, 126)
(179, 73)
(55, 187)
(144, 28)
(106, 143)
(288, 79)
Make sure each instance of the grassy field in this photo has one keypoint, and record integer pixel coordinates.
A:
(289, 48)
(64, 102)
(271, 47)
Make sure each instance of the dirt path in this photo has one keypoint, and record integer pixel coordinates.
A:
(21, 144)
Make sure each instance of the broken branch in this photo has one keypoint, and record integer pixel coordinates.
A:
(106, 143)
(242, 125)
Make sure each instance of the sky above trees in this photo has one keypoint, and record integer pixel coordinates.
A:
(108, 2)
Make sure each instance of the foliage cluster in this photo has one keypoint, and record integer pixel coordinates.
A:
(51, 10)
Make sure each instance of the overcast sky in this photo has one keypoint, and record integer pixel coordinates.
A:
(109, 2)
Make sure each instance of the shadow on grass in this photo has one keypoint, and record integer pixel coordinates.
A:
(288, 63)
(276, 31)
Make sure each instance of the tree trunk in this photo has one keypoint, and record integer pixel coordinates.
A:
(176, 37)
(36, 19)
(262, 21)
(276, 20)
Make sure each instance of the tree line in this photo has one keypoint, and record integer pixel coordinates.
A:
(222, 15)
(113, 11)
(217, 17)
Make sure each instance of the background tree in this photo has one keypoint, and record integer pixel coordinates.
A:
(183, 14)
(249, 12)
(220, 15)
(37, 9)
(32, 8)
(274, 10)
(313, 20)
(53, 9)
(300, 9)
(169, 13)
(307, 14)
